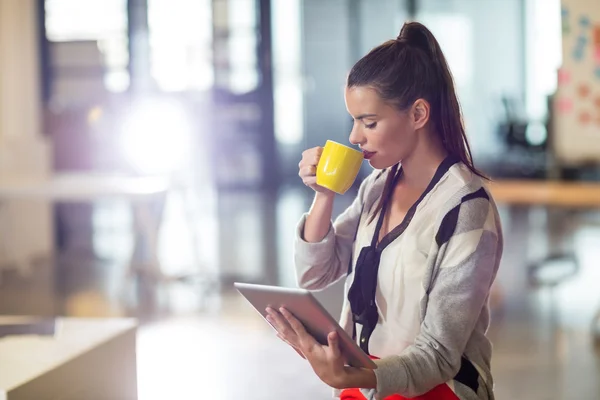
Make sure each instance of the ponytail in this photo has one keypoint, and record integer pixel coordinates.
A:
(446, 111)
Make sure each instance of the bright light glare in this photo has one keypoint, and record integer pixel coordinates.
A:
(156, 138)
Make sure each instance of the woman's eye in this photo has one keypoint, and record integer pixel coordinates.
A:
(371, 125)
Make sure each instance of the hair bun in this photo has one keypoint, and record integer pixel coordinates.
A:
(417, 35)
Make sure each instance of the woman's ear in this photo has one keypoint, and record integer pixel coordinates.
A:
(420, 113)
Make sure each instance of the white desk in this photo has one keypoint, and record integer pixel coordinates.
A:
(86, 359)
(571, 195)
(139, 191)
(82, 187)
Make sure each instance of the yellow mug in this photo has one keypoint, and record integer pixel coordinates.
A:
(338, 167)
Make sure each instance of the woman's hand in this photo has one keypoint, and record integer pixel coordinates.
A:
(308, 170)
(326, 361)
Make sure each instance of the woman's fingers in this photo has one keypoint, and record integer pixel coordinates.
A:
(334, 345)
(310, 182)
(307, 168)
(310, 157)
(292, 346)
(304, 338)
(308, 171)
(280, 324)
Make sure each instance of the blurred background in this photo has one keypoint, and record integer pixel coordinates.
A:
(148, 159)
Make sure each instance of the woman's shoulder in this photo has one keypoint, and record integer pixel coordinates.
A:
(464, 182)
(461, 186)
(469, 200)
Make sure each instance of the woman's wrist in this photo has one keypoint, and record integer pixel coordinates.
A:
(318, 220)
(327, 196)
(360, 378)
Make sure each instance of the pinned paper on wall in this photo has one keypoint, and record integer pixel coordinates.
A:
(566, 28)
(585, 117)
(598, 72)
(564, 77)
(564, 105)
(583, 90)
(578, 51)
(597, 55)
(597, 35)
(597, 102)
(584, 21)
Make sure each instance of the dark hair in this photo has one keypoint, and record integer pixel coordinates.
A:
(413, 67)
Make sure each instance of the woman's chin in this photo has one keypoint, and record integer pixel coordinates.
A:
(373, 164)
(378, 164)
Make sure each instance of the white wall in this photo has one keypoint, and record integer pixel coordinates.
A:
(544, 54)
(25, 227)
(380, 20)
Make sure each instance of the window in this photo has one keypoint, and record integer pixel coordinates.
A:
(544, 54)
(181, 44)
(84, 34)
(287, 71)
(236, 41)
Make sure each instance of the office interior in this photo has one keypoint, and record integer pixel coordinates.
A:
(149, 157)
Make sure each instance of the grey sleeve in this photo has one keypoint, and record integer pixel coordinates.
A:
(319, 265)
(469, 249)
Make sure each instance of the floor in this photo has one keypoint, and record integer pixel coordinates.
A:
(199, 339)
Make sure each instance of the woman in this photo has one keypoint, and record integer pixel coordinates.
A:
(420, 245)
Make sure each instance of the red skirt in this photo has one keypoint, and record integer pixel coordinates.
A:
(440, 392)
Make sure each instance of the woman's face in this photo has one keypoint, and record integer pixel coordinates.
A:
(385, 134)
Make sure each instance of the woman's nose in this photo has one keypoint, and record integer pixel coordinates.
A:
(355, 137)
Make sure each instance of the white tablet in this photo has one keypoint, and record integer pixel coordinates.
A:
(307, 309)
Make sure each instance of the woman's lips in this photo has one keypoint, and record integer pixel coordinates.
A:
(368, 154)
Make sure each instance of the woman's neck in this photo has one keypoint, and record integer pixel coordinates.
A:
(419, 168)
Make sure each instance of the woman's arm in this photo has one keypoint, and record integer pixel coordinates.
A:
(469, 243)
(318, 218)
(322, 250)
